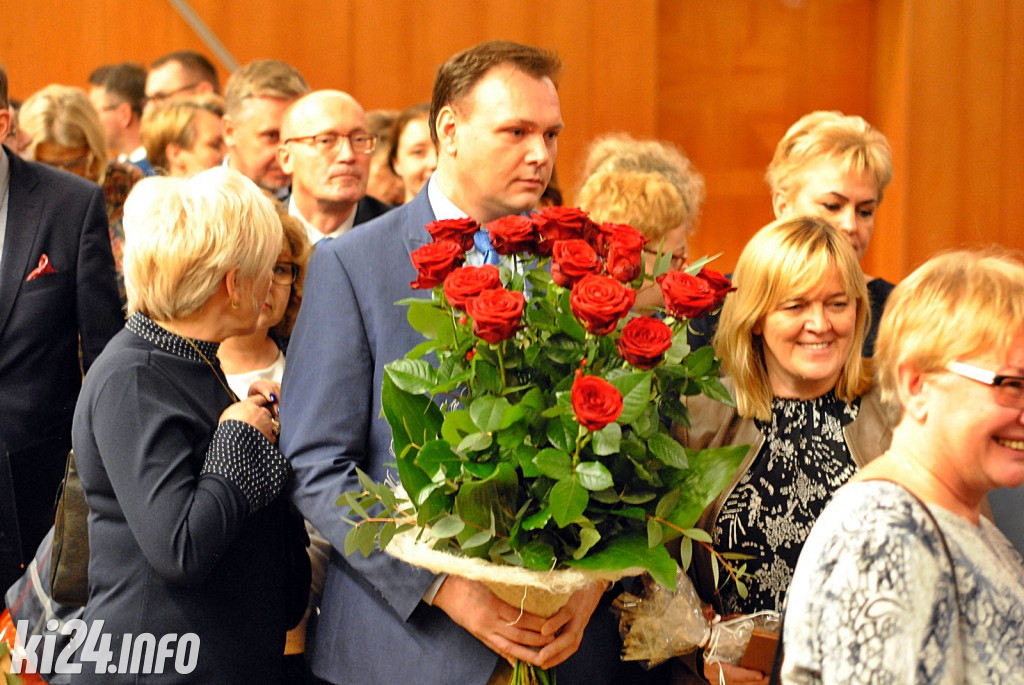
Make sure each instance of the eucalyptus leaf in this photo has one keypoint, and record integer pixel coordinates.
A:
(475, 442)
(667, 504)
(685, 552)
(588, 538)
(653, 533)
(480, 538)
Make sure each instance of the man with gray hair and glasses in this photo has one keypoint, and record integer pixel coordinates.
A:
(326, 146)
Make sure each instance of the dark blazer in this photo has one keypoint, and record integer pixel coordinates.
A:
(369, 208)
(373, 626)
(62, 216)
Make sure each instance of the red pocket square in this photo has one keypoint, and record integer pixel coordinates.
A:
(43, 269)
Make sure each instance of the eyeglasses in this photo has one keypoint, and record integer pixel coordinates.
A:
(678, 258)
(328, 143)
(161, 96)
(1009, 389)
(69, 164)
(285, 273)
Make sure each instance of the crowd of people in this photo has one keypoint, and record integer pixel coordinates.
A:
(223, 270)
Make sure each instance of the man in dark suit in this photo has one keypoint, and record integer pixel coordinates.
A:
(56, 286)
(326, 146)
(496, 116)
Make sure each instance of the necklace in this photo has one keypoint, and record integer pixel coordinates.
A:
(231, 393)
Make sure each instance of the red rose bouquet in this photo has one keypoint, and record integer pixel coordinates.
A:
(531, 427)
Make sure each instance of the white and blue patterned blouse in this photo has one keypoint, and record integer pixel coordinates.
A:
(873, 597)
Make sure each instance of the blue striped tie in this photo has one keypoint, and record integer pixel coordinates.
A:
(483, 245)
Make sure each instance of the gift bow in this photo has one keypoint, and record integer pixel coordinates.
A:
(43, 269)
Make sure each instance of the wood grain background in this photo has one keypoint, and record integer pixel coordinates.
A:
(943, 79)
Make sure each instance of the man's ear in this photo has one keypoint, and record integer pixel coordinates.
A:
(447, 126)
(284, 158)
(5, 122)
(124, 114)
(229, 130)
(203, 88)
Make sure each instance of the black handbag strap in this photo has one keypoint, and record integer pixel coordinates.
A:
(774, 678)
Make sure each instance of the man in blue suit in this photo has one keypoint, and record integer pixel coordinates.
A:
(495, 116)
(57, 288)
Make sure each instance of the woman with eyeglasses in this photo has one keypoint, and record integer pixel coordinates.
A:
(902, 579)
(650, 185)
(65, 132)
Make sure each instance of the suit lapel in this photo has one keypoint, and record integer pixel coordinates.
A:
(416, 219)
(23, 212)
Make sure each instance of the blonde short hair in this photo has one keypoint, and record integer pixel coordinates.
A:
(855, 144)
(63, 115)
(263, 78)
(665, 181)
(182, 236)
(783, 259)
(955, 305)
(173, 122)
(298, 244)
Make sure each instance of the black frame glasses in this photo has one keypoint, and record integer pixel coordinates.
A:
(329, 142)
(285, 274)
(1009, 389)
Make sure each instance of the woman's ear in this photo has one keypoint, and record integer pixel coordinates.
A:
(174, 153)
(232, 287)
(780, 204)
(911, 386)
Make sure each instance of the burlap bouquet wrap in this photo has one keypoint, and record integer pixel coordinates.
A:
(539, 592)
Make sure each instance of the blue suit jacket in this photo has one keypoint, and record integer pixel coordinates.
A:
(41, 321)
(373, 626)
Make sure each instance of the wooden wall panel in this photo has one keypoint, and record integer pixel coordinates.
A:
(733, 76)
(944, 79)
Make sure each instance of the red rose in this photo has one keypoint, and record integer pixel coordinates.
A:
(643, 342)
(467, 282)
(599, 302)
(496, 313)
(595, 401)
(571, 260)
(560, 223)
(719, 284)
(625, 247)
(511, 234)
(460, 231)
(434, 262)
(686, 296)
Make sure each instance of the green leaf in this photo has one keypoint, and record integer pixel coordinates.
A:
(630, 550)
(685, 552)
(741, 588)
(480, 538)
(636, 394)
(423, 348)
(680, 348)
(567, 321)
(667, 504)
(487, 412)
(447, 527)
(489, 503)
(414, 376)
(538, 520)
(714, 569)
(457, 425)
(698, 534)
(437, 456)
(387, 532)
(567, 501)
(487, 376)
(474, 442)
(561, 432)
(607, 440)
(588, 538)
(632, 512)
(593, 475)
(538, 555)
(554, 463)
(429, 319)
(653, 533)
(665, 448)
(699, 362)
(716, 390)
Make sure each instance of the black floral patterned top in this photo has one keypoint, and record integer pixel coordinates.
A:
(769, 514)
